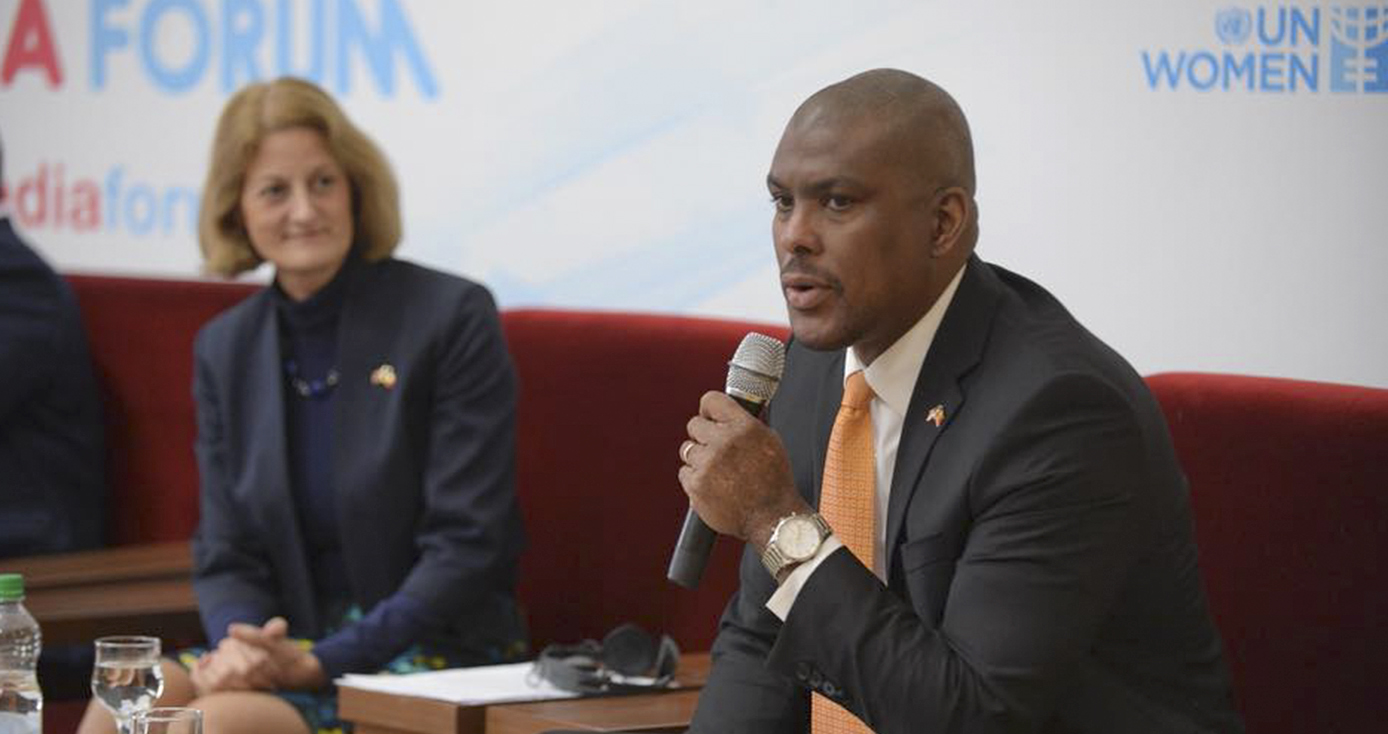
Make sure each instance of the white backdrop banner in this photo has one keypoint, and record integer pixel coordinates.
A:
(1203, 183)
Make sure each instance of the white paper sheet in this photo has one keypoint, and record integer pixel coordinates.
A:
(478, 686)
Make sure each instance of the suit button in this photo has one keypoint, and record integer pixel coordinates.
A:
(831, 690)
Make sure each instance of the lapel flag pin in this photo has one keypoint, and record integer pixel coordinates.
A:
(383, 376)
(936, 415)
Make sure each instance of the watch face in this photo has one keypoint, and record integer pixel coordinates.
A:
(798, 538)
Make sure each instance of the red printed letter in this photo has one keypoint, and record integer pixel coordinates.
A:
(86, 206)
(31, 44)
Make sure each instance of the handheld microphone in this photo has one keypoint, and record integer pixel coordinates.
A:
(753, 374)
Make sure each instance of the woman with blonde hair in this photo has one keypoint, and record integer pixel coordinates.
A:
(356, 424)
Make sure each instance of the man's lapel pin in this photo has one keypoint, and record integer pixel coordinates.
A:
(383, 376)
(936, 415)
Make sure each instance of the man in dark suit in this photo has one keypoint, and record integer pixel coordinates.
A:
(1032, 565)
(52, 490)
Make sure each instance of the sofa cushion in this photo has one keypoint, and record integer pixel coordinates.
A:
(604, 402)
(1287, 486)
(141, 335)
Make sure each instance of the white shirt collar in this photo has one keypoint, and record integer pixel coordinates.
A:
(892, 376)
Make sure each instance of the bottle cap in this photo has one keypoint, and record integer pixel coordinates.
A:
(11, 587)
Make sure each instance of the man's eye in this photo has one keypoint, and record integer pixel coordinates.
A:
(837, 203)
(782, 202)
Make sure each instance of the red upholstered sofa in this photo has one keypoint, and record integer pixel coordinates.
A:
(604, 401)
(1285, 476)
(141, 337)
(1289, 483)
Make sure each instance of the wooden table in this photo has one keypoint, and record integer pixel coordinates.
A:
(138, 589)
(374, 712)
(661, 712)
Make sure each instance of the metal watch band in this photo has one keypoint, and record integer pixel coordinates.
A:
(776, 561)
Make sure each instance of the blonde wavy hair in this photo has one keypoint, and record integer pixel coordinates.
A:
(266, 107)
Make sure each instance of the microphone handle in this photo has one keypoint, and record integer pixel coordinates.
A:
(691, 551)
(695, 544)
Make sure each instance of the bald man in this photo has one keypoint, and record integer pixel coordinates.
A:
(1028, 563)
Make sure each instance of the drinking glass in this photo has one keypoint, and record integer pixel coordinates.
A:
(126, 678)
(169, 720)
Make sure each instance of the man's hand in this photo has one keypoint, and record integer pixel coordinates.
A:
(294, 665)
(736, 472)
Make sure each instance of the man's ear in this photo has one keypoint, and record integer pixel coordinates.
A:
(954, 214)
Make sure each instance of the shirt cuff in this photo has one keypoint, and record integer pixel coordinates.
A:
(781, 601)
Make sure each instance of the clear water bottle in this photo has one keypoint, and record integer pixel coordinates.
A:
(21, 701)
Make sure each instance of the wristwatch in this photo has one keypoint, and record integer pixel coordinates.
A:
(795, 540)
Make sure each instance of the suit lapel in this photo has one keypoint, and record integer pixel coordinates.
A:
(938, 396)
(269, 462)
(360, 352)
(266, 414)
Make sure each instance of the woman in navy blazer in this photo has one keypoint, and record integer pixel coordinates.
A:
(356, 444)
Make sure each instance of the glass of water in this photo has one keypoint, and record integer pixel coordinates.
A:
(169, 720)
(126, 678)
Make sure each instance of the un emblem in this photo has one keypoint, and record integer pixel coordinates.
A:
(1233, 25)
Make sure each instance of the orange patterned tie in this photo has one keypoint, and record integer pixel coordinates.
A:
(846, 501)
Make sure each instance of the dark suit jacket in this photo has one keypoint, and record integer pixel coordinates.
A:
(424, 469)
(1041, 564)
(52, 484)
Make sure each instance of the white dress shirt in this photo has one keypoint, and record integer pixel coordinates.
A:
(892, 377)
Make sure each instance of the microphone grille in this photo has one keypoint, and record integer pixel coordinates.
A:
(756, 366)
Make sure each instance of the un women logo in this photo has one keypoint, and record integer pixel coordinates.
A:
(1233, 25)
(1359, 49)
